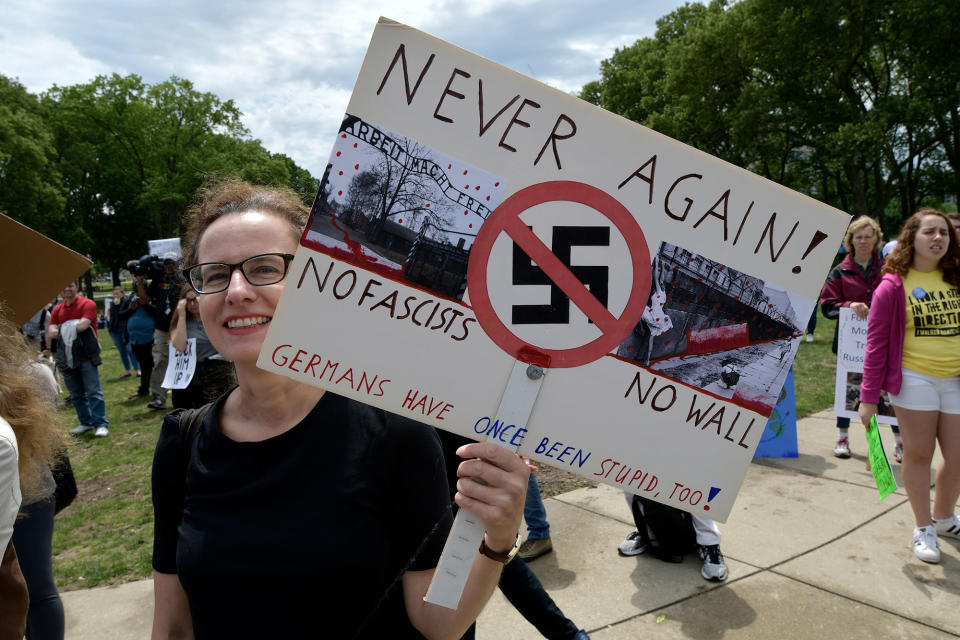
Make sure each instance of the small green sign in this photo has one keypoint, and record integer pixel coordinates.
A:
(879, 465)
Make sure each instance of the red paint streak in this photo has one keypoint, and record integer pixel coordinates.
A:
(754, 400)
(530, 355)
(717, 339)
(392, 273)
(356, 254)
(348, 256)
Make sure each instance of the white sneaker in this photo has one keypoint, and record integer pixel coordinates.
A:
(925, 544)
(101, 432)
(634, 545)
(809, 337)
(713, 568)
(949, 528)
(80, 430)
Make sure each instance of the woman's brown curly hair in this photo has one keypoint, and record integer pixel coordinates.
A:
(231, 195)
(901, 259)
(31, 414)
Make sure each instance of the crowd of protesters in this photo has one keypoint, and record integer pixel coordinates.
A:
(917, 365)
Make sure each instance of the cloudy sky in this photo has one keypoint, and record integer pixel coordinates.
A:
(290, 65)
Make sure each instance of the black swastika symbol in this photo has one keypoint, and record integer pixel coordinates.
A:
(593, 277)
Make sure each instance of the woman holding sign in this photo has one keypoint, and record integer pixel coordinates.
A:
(295, 513)
(913, 352)
(851, 284)
(213, 374)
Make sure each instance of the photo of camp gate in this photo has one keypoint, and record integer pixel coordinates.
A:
(401, 208)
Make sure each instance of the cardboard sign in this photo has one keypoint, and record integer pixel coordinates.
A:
(160, 247)
(471, 217)
(45, 265)
(851, 349)
(779, 439)
(180, 366)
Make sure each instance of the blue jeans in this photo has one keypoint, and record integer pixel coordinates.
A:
(524, 591)
(83, 383)
(534, 512)
(844, 423)
(126, 352)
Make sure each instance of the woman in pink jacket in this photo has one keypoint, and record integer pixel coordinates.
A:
(913, 352)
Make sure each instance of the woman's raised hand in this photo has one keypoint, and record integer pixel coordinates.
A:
(493, 485)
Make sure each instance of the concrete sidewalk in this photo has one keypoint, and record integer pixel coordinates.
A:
(812, 554)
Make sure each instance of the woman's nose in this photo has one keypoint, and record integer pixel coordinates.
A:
(238, 288)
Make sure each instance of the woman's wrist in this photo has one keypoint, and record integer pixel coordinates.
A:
(497, 544)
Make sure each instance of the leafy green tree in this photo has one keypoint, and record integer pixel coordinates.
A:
(132, 155)
(31, 189)
(851, 102)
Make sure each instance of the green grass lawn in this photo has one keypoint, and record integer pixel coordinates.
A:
(814, 370)
(106, 535)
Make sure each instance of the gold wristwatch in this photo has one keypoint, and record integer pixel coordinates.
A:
(498, 556)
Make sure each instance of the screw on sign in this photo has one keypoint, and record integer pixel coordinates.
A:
(506, 219)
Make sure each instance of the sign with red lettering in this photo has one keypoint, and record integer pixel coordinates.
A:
(470, 216)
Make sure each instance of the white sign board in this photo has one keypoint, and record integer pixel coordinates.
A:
(851, 349)
(180, 366)
(160, 247)
(664, 291)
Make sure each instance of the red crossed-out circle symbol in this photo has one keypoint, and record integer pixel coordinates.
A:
(506, 219)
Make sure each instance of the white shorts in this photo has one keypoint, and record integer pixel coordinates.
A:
(920, 392)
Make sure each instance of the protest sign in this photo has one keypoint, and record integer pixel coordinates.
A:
(50, 267)
(779, 439)
(471, 217)
(851, 349)
(180, 366)
(879, 465)
(160, 247)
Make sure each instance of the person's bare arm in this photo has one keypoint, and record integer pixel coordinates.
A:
(140, 284)
(178, 332)
(171, 610)
(498, 502)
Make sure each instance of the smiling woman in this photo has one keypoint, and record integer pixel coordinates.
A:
(282, 480)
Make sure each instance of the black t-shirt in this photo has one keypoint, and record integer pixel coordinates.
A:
(303, 535)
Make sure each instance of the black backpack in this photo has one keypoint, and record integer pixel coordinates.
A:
(672, 528)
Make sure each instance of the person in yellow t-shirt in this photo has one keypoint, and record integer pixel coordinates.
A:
(913, 352)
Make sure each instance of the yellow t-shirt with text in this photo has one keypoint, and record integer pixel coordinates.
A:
(932, 341)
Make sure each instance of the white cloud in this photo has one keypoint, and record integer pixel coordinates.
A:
(290, 65)
(43, 60)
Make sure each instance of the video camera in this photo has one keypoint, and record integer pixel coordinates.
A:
(148, 265)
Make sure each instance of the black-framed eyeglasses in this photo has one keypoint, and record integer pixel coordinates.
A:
(261, 270)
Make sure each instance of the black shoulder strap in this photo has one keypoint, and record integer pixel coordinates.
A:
(190, 421)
